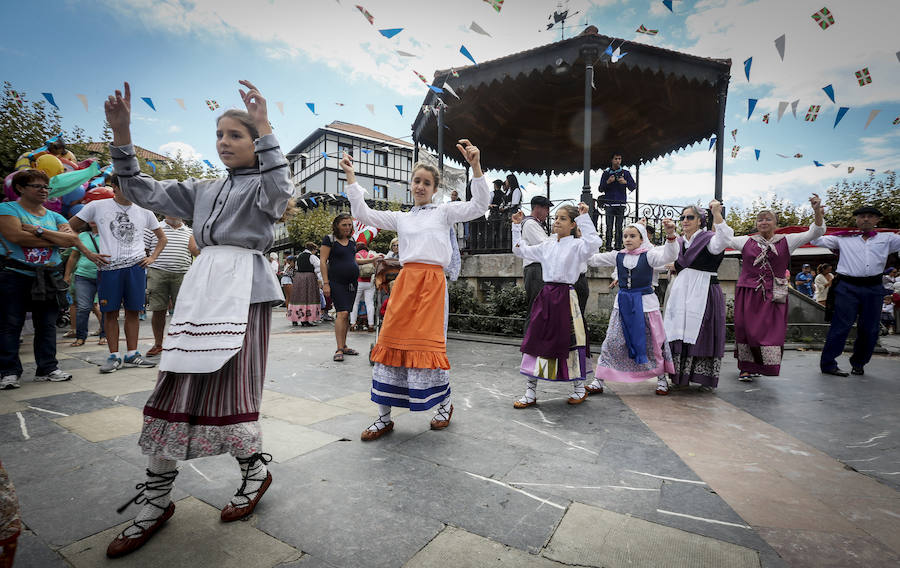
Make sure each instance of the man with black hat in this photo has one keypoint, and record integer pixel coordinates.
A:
(533, 233)
(856, 291)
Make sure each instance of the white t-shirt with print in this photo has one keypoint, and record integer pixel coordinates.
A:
(121, 230)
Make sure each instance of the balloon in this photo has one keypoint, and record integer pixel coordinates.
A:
(54, 204)
(74, 195)
(69, 165)
(69, 181)
(102, 192)
(73, 210)
(50, 165)
(85, 163)
(7, 188)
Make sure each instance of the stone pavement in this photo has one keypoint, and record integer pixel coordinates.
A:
(798, 470)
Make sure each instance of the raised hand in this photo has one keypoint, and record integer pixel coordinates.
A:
(347, 165)
(518, 217)
(118, 114)
(472, 155)
(256, 107)
(669, 226)
(815, 201)
(715, 206)
(583, 208)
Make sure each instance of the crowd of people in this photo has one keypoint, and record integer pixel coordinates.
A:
(212, 358)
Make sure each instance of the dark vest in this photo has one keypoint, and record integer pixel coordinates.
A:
(641, 276)
(705, 261)
(303, 262)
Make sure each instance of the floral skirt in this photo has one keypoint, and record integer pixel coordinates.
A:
(615, 365)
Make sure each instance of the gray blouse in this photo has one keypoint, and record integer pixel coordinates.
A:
(238, 210)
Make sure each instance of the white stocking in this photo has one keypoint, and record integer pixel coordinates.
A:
(578, 389)
(530, 394)
(384, 418)
(254, 473)
(155, 495)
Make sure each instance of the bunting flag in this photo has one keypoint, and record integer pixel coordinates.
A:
(312, 107)
(850, 169)
(794, 107)
(751, 104)
(149, 102)
(643, 30)
(617, 55)
(405, 53)
(18, 98)
(399, 109)
(478, 29)
(813, 113)
(824, 18)
(212, 104)
(466, 54)
(371, 108)
(152, 165)
(870, 170)
(766, 118)
(747, 65)
(391, 32)
(280, 105)
(779, 45)
(495, 4)
(209, 164)
(782, 106)
(450, 90)
(454, 72)
(437, 90)
(49, 97)
(757, 154)
(83, 100)
(366, 14)
(324, 155)
(668, 4)
(872, 116)
(181, 103)
(818, 165)
(734, 151)
(734, 134)
(829, 90)
(840, 114)
(863, 77)
(896, 121)
(421, 77)
(363, 233)
(782, 156)
(339, 104)
(798, 155)
(712, 142)
(836, 165)
(365, 151)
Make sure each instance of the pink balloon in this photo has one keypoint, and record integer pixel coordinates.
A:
(7, 188)
(54, 204)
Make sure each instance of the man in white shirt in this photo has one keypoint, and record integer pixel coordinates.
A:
(533, 233)
(164, 276)
(122, 282)
(856, 291)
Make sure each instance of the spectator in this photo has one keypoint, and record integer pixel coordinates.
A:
(533, 233)
(122, 282)
(31, 278)
(803, 281)
(890, 276)
(365, 291)
(615, 182)
(304, 307)
(395, 249)
(287, 277)
(822, 282)
(81, 275)
(339, 277)
(165, 275)
(498, 199)
(454, 196)
(887, 314)
(273, 262)
(513, 194)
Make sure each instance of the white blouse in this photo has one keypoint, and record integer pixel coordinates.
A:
(560, 259)
(657, 257)
(424, 231)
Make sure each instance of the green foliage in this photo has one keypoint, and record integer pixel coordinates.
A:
(463, 299)
(743, 221)
(382, 241)
(310, 225)
(843, 198)
(508, 301)
(179, 168)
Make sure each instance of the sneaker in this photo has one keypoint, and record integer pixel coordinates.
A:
(55, 376)
(9, 382)
(137, 360)
(111, 365)
(142, 316)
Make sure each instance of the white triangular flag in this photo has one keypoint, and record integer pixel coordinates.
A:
(371, 108)
(450, 90)
(83, 100)
(405, 53)
(782, 156)
(280, 105)
(872, 116)
(782, 106)
(478, 29)
(794, 107)
(779, 45)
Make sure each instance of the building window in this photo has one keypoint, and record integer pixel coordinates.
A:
(409, 198)
(380, 158)
(302, 162)
(342, 183)
(345, 147)
(381, 191)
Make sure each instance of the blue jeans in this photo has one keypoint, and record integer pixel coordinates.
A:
(852, 302)
(15, 290)
(85, 290)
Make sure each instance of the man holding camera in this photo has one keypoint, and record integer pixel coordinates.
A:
(615, 182)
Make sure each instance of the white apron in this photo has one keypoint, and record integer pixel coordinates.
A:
(210, 319)
(686, 305)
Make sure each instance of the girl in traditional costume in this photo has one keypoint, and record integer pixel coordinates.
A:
(556, 346)
(410, 357)
(635, 346)
(207, 395)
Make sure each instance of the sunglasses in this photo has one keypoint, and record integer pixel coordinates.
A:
(687, 217)
(37, 185)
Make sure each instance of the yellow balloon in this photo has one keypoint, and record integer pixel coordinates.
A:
(50, 165)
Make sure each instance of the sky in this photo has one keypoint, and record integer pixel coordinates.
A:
(326, 52)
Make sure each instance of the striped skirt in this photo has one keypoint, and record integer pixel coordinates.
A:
(193, 415)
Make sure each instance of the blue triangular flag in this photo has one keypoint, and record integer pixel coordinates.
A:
(364, 151)
(609, 49)
(49, 97)
(399, 109)
(208, 163)
(751, 104)
(324, 155)
(829, 90)
(712, 142)
(757, 154)
(841, 112)
(389, 33)
(313, 199)
(152, 165)
(466, 54)
(149, 103)
(311, 107)
(437, 90)
(747, 65)
(818, 165)
(668, 4)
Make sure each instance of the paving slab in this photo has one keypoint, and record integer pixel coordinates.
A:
(456, 548)
(286, 441)
(9, 406)
(118, 383)
(31, 390)
(822, 549)
(25, 425)
(73, 403)
(104, 424)
(32, 552)
(361, 402)
(194, 536)
(590, 536)
(297, 410)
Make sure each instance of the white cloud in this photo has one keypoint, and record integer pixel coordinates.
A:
(186, 150)
(174, 128)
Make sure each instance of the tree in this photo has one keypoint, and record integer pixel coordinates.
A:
(743, 221)
(178, 167)
(883, 193)
(310, 225)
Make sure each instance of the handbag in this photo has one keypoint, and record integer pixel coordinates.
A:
(779, 290)
(367, 270)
